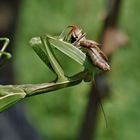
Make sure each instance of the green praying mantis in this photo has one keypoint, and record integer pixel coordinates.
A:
(71, 43)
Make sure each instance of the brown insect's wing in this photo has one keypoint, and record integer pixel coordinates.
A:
(98, 49)
(93, 44)
(101, 53)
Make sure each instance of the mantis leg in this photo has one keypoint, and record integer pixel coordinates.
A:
(52, 59)
(65, 34)
(5, 55)
(5, 44)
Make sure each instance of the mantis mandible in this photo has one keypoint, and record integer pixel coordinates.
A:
(10, 94)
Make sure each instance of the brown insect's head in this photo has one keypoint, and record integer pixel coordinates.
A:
(75, 33)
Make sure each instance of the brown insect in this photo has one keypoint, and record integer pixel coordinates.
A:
(78, 38)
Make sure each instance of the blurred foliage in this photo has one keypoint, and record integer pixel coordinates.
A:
(58, 116)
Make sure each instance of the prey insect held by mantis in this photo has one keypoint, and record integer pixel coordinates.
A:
(90, 47)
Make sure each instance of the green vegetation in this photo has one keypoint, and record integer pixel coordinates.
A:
(58, 116)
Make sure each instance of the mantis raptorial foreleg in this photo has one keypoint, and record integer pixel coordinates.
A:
(52, 59)
(4, 54)
(64, 35)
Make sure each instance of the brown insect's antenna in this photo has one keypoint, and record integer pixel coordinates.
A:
(101, 105)
(73, 28)
(102, 108)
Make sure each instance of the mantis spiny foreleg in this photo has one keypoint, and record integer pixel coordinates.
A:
(52, 59)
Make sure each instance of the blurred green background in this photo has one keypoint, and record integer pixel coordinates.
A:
(58, 115)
